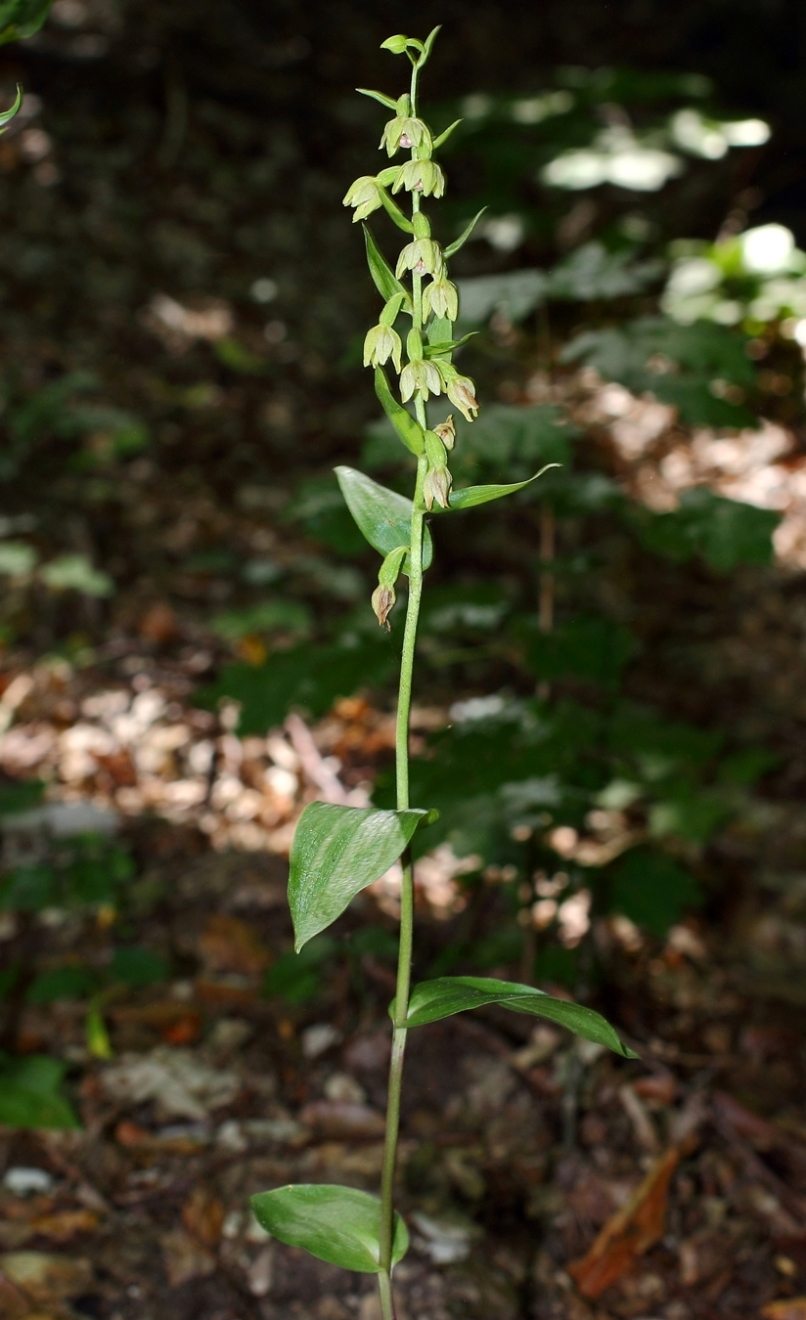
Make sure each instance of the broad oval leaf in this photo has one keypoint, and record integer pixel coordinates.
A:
(432, 1000)
(406, 426)
(473, 495)
(338, 851)
(338, 1224)
(382, 515)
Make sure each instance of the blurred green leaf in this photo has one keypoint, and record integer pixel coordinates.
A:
(652, 890)
(270, 616)
(76, 573)
(137, 967)
(20, 796)
(31, 1093)
(71, 982)
(591, 647)
(724, 532)
(297, 977)
(22, 18)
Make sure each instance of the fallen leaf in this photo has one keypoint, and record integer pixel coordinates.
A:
(339, 1120)
(47, 1279)
(628, 1233)
(203, 1216)
(184, 1259)
(180, 1085)
(230, 945)
(788, 1308)
(65, 1224)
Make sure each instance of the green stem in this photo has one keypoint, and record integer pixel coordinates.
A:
(407, 884)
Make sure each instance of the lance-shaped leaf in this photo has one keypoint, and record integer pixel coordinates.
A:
(378, 96)
(435, 350)
(473, 495)
(338, 851)
(432, 1000)
(383, 277)
(22, 18)
(445, 134)
(459, 242)
(7, 115)
(338, 1224)
(382, 515)
(406, 426)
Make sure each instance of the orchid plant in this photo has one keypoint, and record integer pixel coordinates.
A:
(340, 850)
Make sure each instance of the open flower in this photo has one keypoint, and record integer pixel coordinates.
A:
(442, 298)
(364, 195)
(405, 131)
(420, 376)
(381, 344)
(422, 255)
(423, 176)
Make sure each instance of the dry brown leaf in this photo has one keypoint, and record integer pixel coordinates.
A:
(203, 1216)
(230, 945)
(337, 1119)
(47, 1279)
(184, 1259)
(65, 1224)
(628, 1233)
(788, 1308)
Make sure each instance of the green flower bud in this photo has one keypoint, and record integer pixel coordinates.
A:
(381, 344)
(435, 450)
(437, 487)
(423, 176)
(383, 598)
(422, 377)
(396, 44)
(446, 432)
(414, 345)
(364, 195)
(423, 255)
(405, 131)
(442, 298)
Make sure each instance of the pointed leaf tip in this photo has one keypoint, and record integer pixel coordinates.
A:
(446, 995)
(338, 851)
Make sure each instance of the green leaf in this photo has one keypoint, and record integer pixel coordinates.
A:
(382, 515)
(138, 967)
(459, 242)
(383, 277)
(22, 18)
(7, 115)
(438, 348)
(473, 495)
(61, 983)
(338, 1224)
(378, 96)
(652, 890)
(406, 426)
(30, 1093)
(297, 977)
(725, 532)
(20, 795)
(592, 648)
(444, 135)
(338, 851)
(432, 1000)
(29, 889)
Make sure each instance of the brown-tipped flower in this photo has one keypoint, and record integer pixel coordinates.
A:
(381, 344)
(423, 176)
(406, 131)
(446, 432)
(364, 195)
(422, 255)
(441, 297)
(419, 376)
(383, 598)
(462, 392)
(437, 487)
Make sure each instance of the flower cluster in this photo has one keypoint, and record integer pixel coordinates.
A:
(418, 287)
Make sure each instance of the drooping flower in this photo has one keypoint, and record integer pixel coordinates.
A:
(423, 255)
(364, 195)
(437, 487)
(406, 131)
(442, 298)
(446, 432)
(462, 393)
(381, 344)
(422, 377)
(383, 598)
(423, 176)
